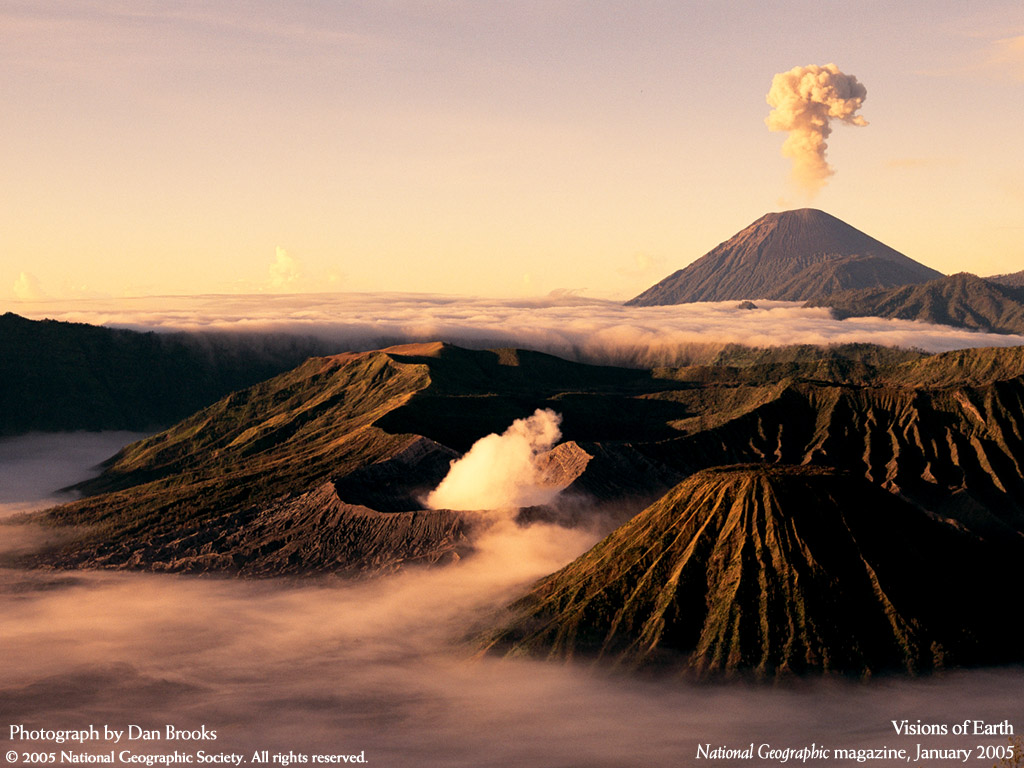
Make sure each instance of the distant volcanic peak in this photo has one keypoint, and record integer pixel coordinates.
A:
(764, 570)
(789, 255)
(801, 220)
(808, 218)
(804, 215)
(807, 230)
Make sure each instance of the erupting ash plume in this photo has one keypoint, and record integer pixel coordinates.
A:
(804, 101)
(500, 471)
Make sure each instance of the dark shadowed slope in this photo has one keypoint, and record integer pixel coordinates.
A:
(773, 571)
(963, 300)
(57, 376)
(793, 255)
(946, 431)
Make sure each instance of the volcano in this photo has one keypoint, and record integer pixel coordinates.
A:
(792, 256)
(356, 440)
(772, 571)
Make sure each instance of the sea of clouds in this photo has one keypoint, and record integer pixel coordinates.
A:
(388, 667)
(567, 325)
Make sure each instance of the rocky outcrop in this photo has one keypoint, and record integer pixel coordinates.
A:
(956, 451)
(1013, 279)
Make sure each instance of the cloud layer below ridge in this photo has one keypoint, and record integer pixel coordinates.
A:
(564, 324)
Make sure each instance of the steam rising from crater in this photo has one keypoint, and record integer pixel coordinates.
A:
(804, 102)
(381, 666)
(500, 472)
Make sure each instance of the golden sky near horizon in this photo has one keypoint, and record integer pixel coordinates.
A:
(495, 149)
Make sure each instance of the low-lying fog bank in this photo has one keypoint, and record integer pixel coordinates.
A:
(382, 667)
(375, 667)
(34, 468)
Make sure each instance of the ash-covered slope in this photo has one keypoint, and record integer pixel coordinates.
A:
(793, 255)
(953, 447)
(773, 571)
(380, 428)
(963, 300)
(219, 468)
(314, 532)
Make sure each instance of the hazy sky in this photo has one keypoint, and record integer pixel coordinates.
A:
(486, 148)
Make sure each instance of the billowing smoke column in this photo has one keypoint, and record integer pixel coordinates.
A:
(804, 101)
(500, 471)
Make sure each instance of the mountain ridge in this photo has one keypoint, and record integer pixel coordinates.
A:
(962, 300)
(60, 376)
(1012, 279)
(356, 420)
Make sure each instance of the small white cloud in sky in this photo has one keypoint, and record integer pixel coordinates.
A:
(284, 270)
(28, 288)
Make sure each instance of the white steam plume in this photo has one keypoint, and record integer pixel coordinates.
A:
(804, 101)
(500, 472)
